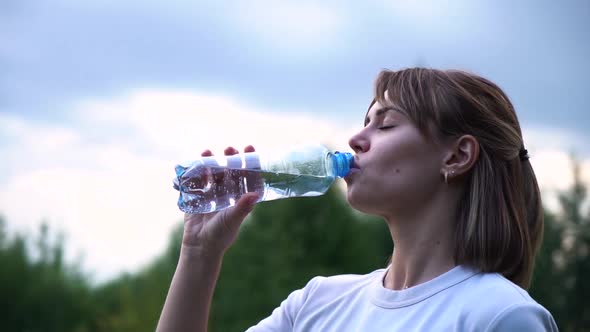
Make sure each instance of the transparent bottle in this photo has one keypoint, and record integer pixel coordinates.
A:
(214, 183)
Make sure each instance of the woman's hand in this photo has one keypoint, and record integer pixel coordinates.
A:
(213, 233)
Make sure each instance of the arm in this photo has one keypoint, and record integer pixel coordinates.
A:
(189, 298)
(206, 238)
(524, 317)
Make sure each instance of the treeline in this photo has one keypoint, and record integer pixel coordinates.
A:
(281, 246)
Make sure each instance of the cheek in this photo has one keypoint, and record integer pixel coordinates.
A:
(400, 173)
(397, 182)
(414, 175)
(412, 162)
(392, 193)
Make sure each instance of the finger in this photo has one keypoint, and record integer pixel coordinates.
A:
(230, 151)
(234, 162)
(208, 161)
(252, 160)
(236, 215)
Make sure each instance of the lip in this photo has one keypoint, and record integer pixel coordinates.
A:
(355, 163)
(353, 171)
(354, 168)
(351, 174)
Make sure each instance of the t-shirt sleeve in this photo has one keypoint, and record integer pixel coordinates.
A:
(283, 317)
(523, 317)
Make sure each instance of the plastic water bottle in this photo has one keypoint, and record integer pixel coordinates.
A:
(217, 182)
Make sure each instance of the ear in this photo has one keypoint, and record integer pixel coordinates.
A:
(462, 154)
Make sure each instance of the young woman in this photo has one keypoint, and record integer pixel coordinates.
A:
(441, 158)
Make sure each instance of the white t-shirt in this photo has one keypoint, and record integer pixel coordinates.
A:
(459, 300)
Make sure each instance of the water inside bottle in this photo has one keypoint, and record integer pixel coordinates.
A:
(208, 189)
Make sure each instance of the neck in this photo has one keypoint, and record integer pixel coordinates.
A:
(423, 244)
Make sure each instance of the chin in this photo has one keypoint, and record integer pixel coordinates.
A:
(371, 203)
(359, 202)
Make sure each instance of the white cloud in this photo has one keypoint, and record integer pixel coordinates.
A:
(539, 138)
(27, 145)
(550, 150)
(182, 124)
(30, 134)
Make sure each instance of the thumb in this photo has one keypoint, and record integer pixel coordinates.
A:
(236, 215)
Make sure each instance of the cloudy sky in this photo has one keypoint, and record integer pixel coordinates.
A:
(99, 99)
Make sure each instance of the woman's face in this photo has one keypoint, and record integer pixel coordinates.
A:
(399, 168)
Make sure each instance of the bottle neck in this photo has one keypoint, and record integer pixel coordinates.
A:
(341, 162)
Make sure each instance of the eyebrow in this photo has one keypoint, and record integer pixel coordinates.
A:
(379, 113)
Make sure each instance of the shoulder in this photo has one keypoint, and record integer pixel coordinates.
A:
(495, 290)
(342, 283)
(321, 290)
(523, 317)
(489, 299)
(333, 286)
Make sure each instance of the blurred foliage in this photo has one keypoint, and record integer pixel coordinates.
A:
(41, 294)
(281, 247)
(563, 269)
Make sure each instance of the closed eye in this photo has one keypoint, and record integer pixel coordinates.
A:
(385, 127)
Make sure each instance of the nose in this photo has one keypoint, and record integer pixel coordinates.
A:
(359, 143)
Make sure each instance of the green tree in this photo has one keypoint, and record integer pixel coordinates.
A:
(575, 244)
(42, 294)
(133, 302)
(547, 274)
(563, 268)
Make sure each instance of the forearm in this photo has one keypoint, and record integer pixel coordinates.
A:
(191, 291)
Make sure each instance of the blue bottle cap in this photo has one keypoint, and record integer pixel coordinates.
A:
(341, 163)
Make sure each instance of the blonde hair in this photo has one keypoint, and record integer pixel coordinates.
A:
(500, 222)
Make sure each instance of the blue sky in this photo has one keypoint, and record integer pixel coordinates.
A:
(88, 88)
